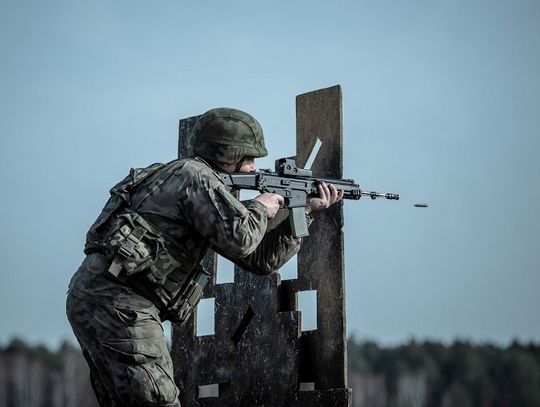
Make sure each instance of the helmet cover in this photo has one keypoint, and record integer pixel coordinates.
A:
(227, 135)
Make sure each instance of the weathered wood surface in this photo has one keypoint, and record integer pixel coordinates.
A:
(321, 260)
(258, 355)
(185, 141)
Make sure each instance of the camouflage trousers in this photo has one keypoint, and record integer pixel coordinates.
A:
(126, 351)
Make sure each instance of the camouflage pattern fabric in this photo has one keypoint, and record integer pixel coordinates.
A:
(126, 352)
(117, 327)
(228, 135)
(194, 212)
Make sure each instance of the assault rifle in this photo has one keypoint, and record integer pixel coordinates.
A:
(295, 185)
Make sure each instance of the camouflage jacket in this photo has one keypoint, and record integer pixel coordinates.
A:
(194, 212)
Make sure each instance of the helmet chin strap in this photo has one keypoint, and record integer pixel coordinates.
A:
(239, 165)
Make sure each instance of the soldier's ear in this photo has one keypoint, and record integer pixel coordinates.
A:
(225, 167)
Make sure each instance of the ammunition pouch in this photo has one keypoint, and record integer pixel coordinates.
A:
(180, 308)
(136, 246)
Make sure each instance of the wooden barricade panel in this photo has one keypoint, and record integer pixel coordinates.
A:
(258, 354)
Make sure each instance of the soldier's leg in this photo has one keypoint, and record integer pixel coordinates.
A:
(140, 362)
(100, 390)
(128, 349)
(75, 314)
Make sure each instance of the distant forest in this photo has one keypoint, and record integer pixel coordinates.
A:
(416, 374)
(432, 374)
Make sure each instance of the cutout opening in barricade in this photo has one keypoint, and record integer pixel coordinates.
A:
(307, 305)
(225, 270)
(242, 326)
(205, 317)
(306, 386)
(289, 271)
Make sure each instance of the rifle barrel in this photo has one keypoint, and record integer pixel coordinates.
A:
(385, 195)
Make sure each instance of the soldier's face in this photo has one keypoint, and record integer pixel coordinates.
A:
(248, 165)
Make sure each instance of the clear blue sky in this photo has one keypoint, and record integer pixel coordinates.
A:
(440, 105)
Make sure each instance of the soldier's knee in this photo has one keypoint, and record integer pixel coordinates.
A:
(149, 385)
(141, 375)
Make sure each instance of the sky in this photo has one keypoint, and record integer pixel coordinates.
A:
(440, 102)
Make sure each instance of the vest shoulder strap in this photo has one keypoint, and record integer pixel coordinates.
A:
(120, 198)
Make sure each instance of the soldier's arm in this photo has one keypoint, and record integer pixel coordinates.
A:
(276, 248)
(236, 231)
(232, 228)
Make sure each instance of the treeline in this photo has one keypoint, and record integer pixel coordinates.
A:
(34, 376)
(416, 374)
(432, 374)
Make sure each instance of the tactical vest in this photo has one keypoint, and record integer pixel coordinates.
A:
(138, 250)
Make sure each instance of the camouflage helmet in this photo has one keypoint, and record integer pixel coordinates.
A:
(227, 135)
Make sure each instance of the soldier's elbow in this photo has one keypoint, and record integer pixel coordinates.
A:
(242, 248)
(262, 269)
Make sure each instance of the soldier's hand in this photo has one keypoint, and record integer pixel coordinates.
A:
(272, 202)
(328, 195)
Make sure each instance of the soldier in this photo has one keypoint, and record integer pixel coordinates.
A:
(143, 256)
